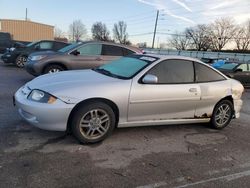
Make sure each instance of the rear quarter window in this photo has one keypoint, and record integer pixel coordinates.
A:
(206, 74)
(127, 52)
(112, 50)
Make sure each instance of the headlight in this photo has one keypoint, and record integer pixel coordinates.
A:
(37, 57)
(41, 96)
(12, 49)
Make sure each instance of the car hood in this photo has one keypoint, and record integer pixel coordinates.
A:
(224, 70)
(69, 83)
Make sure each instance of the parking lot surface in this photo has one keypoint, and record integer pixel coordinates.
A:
(162, 156)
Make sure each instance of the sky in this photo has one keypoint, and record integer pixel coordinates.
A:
(140, 15)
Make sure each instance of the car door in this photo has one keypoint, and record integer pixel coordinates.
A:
(173, 97)
(86, 56)
(244, 75)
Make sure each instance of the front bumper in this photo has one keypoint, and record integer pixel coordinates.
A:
(52, 117)
(7, 58)
(30, 68)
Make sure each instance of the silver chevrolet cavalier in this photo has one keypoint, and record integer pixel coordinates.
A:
(137, 90)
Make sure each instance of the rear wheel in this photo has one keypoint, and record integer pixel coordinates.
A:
(222, 114)
(53, 69)
(21, 61)
(93, 122)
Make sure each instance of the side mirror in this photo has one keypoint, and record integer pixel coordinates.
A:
(37, 47)
(75, 52)
(150, 79)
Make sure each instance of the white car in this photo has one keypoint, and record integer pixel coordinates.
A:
(137, 90)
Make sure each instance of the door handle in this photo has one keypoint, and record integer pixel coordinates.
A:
(192, 90)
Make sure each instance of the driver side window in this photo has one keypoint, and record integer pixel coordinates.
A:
(174, 71)
(243, 67)
(90, 49)
(44, 45)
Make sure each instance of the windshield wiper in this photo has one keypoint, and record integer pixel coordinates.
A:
(106, 72)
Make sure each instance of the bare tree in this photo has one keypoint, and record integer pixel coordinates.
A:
(58, 33)
(242, 37)
(199, 37)
(179, 41)
(120, 32)
(221, 32)
(100, 32)
(77, 30)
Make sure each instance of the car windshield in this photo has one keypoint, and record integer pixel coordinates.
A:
(125, 67)
(30, 44)
(229, 66)
(69, 47)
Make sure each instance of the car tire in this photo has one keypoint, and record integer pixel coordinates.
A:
(53, 69)
(21, 61)
(93, 122)
(222, 114)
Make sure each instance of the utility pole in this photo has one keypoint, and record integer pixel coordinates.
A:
(73, 31)
(26, 15)
(156, 21)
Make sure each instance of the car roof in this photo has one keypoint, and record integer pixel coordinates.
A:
(165, 57)
(51, 41)
(133, 48)
(212, 58)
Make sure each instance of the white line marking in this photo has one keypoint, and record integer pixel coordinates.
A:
(154, 185)
(229, 177)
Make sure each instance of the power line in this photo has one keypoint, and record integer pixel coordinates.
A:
(141, 34)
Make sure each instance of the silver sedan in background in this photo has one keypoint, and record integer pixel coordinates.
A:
(136, 90)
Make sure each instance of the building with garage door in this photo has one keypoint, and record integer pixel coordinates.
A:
(25, 30)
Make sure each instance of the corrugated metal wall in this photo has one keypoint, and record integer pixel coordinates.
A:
(22, 30)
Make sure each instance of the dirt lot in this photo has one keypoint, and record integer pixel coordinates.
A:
(162, 156)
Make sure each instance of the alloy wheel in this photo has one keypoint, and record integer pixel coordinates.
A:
(94, 124)
(54, 70)
(21, 61)
(223, 115)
